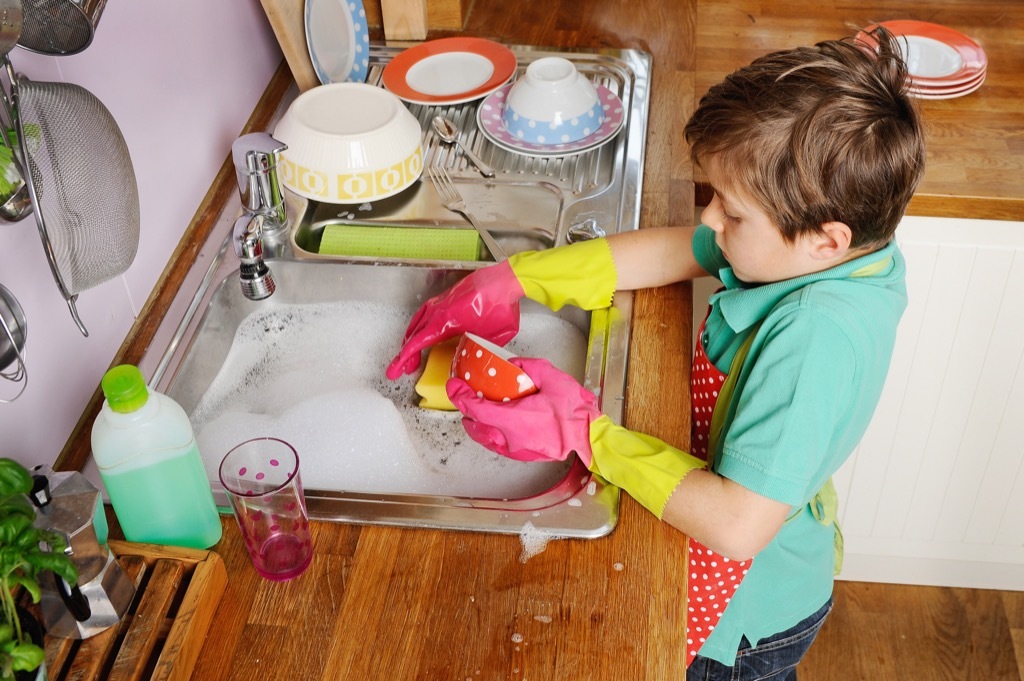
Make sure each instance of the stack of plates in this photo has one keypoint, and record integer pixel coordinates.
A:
(943, 62)
(457, 70)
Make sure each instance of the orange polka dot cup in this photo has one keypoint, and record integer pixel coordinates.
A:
(484, 366)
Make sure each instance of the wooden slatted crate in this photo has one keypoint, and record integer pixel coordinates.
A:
(163, 631)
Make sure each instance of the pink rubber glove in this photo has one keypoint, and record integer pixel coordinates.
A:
(485, 303)
(563, 417)
(546, 426)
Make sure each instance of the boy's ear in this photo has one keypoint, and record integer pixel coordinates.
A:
(833, 241)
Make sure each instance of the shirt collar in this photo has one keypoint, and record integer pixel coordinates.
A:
(742, 305)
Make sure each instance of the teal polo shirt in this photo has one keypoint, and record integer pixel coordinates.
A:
(804, 396)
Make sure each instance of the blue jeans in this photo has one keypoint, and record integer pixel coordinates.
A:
(774, 659)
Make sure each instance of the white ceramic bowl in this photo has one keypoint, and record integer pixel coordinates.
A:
(552, 103)
(349, 143)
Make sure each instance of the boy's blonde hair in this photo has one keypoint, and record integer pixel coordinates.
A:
(818, 134)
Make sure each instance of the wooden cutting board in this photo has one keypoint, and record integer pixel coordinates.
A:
(159, 638)
(287, 18)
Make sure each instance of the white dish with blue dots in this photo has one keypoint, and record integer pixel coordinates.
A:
(338, 40)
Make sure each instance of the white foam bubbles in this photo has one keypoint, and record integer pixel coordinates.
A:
(313, 375)
(534, 541)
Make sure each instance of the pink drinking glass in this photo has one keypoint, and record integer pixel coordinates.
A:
(261, 477)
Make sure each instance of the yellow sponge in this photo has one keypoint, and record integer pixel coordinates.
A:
(389, 241)
(430, 387)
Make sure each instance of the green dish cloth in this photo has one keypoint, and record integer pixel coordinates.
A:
(401, 242)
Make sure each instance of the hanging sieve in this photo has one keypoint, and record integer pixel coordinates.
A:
(59, 27)
(81, 181)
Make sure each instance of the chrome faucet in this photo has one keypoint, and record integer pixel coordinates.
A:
(256, 278)
(265, 218)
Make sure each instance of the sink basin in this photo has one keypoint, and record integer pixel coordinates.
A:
(307, 364)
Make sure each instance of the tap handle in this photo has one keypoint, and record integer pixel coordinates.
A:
(247, 235)
(256, 156)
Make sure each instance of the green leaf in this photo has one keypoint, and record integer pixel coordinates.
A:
(58, 563)
(30, 585)
(26, 657)
(14, 478)
(16, 503)
(12, 527)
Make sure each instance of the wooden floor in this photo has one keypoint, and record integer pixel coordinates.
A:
(918, 633)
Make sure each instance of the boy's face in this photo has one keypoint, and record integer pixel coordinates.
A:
(753, 244)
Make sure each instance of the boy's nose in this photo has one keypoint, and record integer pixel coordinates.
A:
(712, 217)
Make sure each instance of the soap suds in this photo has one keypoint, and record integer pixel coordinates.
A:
(534, 541)
(313, 375)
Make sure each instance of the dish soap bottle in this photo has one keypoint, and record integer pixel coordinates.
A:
(146, 452)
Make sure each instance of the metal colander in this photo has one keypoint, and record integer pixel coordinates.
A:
(59, 27)
(82, 184)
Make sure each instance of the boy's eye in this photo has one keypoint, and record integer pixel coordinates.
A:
(730, 218)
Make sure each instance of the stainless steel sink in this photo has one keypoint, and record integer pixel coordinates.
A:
(211, 330)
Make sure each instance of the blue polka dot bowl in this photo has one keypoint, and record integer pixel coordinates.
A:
(552, 103)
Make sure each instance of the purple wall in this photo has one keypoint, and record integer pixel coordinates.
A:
(181, 79)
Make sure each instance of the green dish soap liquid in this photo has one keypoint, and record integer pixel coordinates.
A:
(146, 453)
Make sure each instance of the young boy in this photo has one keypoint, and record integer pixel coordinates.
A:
(814, 154)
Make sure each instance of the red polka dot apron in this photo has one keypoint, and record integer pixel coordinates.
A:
(711, 578)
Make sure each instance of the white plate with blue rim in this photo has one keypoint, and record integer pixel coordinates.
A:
(338, 40)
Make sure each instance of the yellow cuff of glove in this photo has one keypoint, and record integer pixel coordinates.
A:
(644, 466)
(582, 274)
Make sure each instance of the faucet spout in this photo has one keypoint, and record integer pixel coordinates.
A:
(256, 278)
(265, 215)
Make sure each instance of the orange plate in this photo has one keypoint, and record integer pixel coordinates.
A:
(936, 91)
(927, 93)
(974, 59)
(442, 58)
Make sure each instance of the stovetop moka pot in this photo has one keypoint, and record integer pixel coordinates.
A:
(69, 504)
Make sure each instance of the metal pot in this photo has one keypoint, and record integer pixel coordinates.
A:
(67, 503)
(15, 204)
(13, 330)
(11, 20)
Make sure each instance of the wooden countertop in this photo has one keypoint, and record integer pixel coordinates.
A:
(975, 164)
(381, 602)
(394, 603)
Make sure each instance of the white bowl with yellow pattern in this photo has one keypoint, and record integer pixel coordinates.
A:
(349, 143)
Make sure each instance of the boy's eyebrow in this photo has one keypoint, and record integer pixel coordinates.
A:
(726, 200)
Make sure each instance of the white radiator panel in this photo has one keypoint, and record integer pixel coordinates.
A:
(934, 494)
